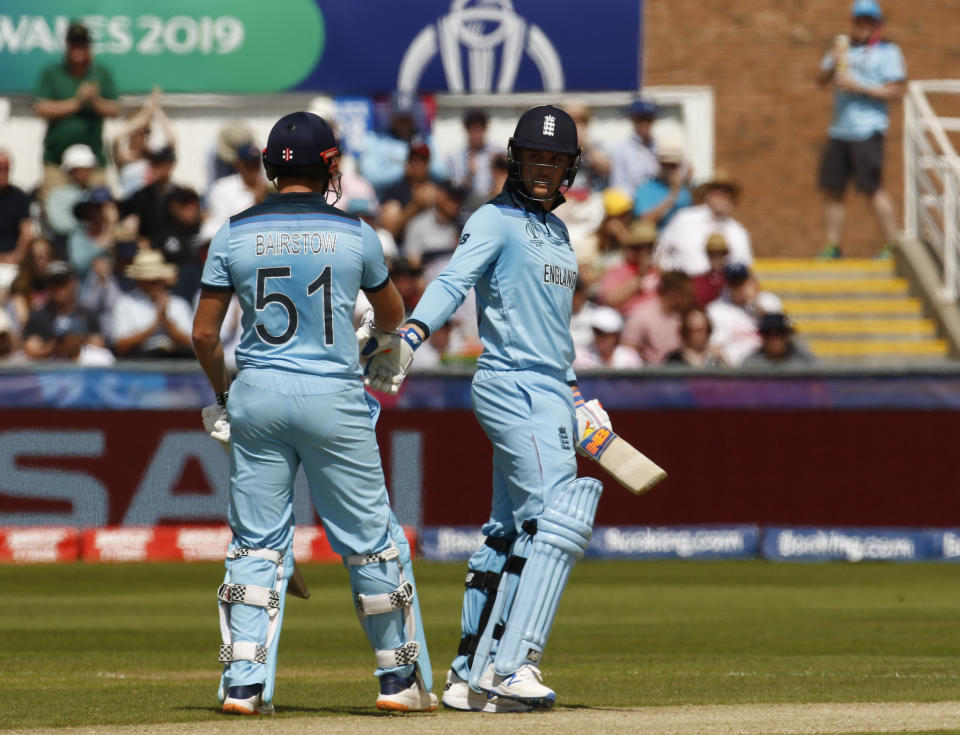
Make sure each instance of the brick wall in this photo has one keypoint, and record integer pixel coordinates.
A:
(760, 57)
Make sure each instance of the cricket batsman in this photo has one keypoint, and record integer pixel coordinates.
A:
(297, 265)
(517, 255)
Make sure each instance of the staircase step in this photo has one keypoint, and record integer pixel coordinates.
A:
(856, 287)
(854, 307)
(904, 328)
(894, 349)
(845, 266)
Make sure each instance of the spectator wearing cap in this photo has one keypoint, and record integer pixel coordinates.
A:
(368, 210)
(63, 329)
(231, 137)
(635, 279)
(233, 194)
(708, 286)
(145, 211)
(634, 160)
(867, 72)
(470, 167)
(413, 194)
(131, 145)
(695, 332)
(178, 238)
(653, 327)
(150, 321)
(682, 244)
(603, 249)
(58, 218)
(16, 226)
(606, 350)
(736, 315)
(74, 96)
(661, 197)
(385, 154)
(432, 236)
(97, 215)
(777, 346)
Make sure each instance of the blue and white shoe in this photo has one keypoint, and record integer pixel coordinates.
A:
(246, 700)
(458, 695)
(524, 685)
(399, 694)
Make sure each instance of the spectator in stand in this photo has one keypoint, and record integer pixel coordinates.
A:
(59, 222)
(432, 236)
(150, 322)
(594, 168)
(74, 96)
(867, 74)
(471, 167)
(625, 285)
(16, 227)
(178, 238)
(708, 286)
(682, 244)
(695, 331)
(409, 282)
(634, 160)
(10, 352)
(367, 210)
(581, 318)
(233, 194)
(777, 346)
(606, 350)
(653, 327)
(661, 197)
(232, 136)
(584, 210)
(736, 314)
(436, 353)
(29, 290)
(106, 282)
(62, 329)
(413, 194)
(131, 145)
(603, 249)
(384, 157)
(500, 169)
(96, 234)
(149, 204)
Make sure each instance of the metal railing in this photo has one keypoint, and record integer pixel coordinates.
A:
(932, 179)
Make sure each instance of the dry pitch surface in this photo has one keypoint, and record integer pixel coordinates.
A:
(758, 719)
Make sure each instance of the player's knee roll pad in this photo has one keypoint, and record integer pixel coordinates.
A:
(251, 604)
(562, 535)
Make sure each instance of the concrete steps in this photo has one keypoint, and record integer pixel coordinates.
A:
(853, 310)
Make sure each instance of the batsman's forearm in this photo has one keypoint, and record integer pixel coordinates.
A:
(210, 357)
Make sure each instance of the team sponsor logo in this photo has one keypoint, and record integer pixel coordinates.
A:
(464, 237)
(533, 655)
(564, 438)
(596, 442)
(288, 154)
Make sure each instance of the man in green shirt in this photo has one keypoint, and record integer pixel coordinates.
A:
(74, 96)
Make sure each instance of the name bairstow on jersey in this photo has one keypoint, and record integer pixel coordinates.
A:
(296, 243)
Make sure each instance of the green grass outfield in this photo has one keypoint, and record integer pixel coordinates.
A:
(137, 643)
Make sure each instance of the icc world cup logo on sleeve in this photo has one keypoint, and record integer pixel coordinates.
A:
(492, 39)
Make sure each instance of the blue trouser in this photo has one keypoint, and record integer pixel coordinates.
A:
(332, 436)
(529, 418)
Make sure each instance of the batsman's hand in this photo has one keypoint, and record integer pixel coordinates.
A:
(217, 424)
(371, 339)
(590, 416)
(388, 366)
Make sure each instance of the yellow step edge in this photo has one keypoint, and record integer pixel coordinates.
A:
(912, 327)
(839, 307)
(836, 285)
(894, 348)
(797, 265)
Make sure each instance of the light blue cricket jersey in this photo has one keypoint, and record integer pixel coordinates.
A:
(856, 116)
(297, 265)
(519, 260)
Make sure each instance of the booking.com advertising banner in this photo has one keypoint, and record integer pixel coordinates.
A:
(358, 47)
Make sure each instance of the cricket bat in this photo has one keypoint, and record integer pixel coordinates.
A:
(622, 460)
(297, 586)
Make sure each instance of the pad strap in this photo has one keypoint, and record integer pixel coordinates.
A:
(378, 604)
(402, 656)
(270, 555)
(243, 651)
(357, 560)
(248, 594)
(487, 581)
(498, 543)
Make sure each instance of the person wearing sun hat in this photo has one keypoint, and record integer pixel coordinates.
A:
(682, 244)
(150, 321)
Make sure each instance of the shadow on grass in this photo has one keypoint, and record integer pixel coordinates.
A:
(346, 710)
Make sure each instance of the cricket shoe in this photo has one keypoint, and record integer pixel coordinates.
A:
(523, 685)
(457, 694)
(399, 694)
(246, 700)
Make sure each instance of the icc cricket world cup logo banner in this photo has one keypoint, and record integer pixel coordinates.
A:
(481, 44)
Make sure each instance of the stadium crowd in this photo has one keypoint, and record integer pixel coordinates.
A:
(103, 259)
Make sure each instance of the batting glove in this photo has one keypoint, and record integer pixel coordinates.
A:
(590, 417)
(216, 422)
(370, 338)
(388, 366)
